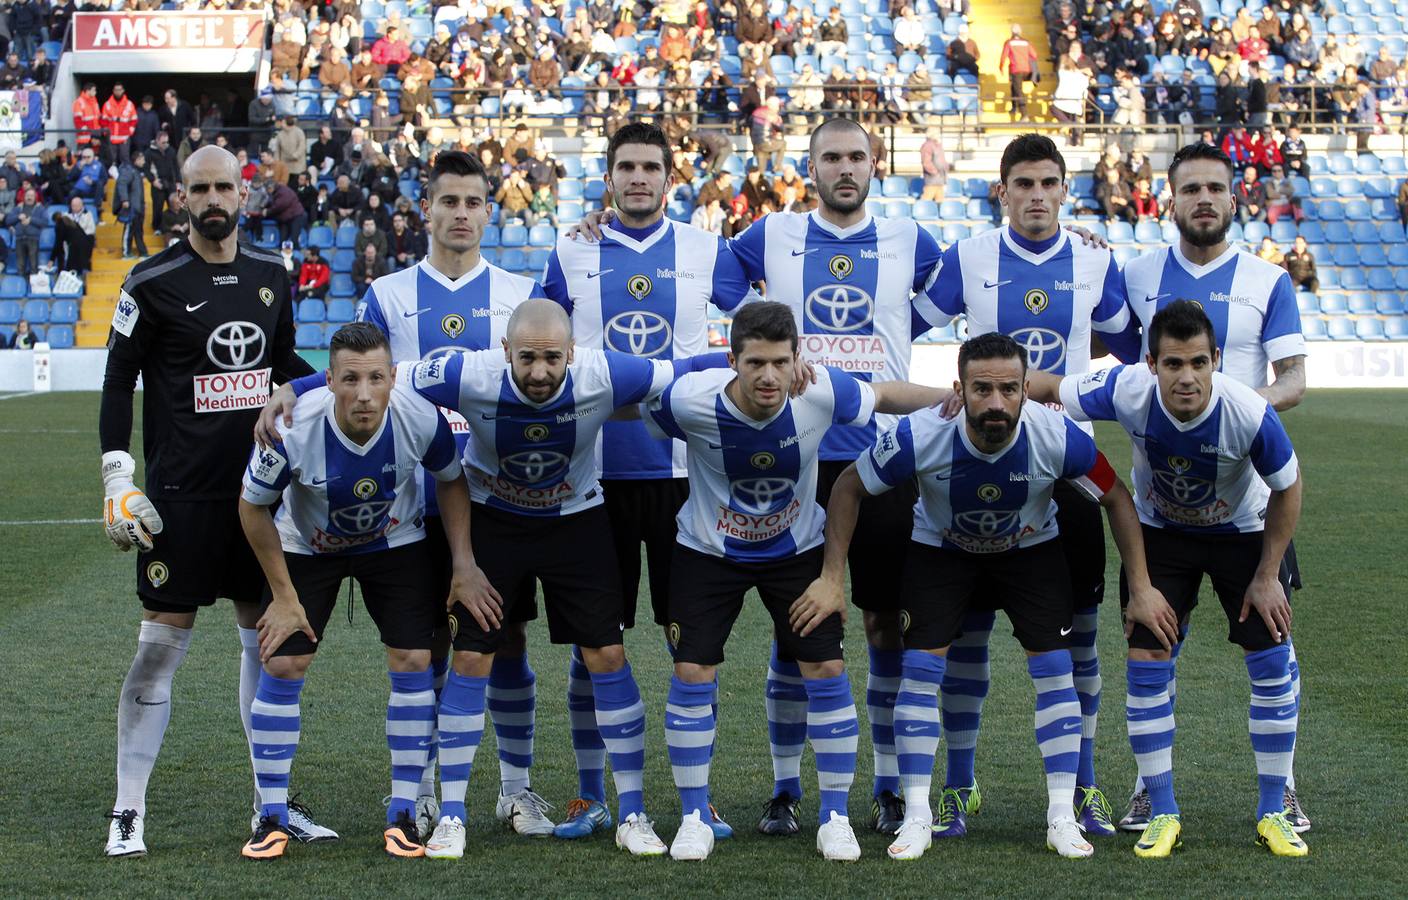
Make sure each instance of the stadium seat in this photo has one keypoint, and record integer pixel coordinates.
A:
(1378, 187)
(63, 312)
(1346, 255)
(595, 190)
(875, 208)
(308, 336)
(1312, 232)
(1329, 277)
(1400, 279)
(1253, 232)
(1322, 187)
(1307, 303)
(954, 232)
(10, 312)
(1356, 211)
(925, 210)
(1372, 255)
(1340, 329)
(1349, 187)
(1123, 254)
(1389, 304)
(569, 189)
(980, 208)
(36, 311)
(341, 285)
(1396, 328)
(1367, 163)
(1283, 232)
(1395, 165)
(513, 236)
(340, 311)
(1391, 233)
(1334, 304)
(569, 213)
(1121, 233)
(1353, 279)
(896, 209)
(950, 210)
(60, 337)
(1340, 164)
(1361, 303)
(1366, 329)
(514, 260)
(538, 259)
(1338, 233)
(895, 186)
(1364, 233)
(13, 287)
(342, 260)
(1381, 279)
(346, 237)
(315, 310)
(490, 238)
(41, 287)
(1313, 327)
(320, 236)
(542, 236)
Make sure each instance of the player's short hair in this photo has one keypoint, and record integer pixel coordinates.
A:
(455, 162)
(1200, 150)
(638, 133)
(766, 320)
(835, 124)
(1027, 148)
(358, 337)
(993, 345)
(1181, 320)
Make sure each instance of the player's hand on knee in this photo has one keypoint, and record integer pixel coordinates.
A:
(1148, 607)
(128, 515)
(822, 598)
(470, 588)
(803, 374)
(589, 228)
(280, 404)
(1268, 598)
(282, 620)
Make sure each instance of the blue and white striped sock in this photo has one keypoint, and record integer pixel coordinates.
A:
(587, 745)
(786, 701)
(881, 687)
(438, 670)
(917, 728)
(834, 732)
(620, 717)
(511, 700)
(1272, 722)
(689, 736)
(410, 719)
(461, 726)
(1085, 659)
(274, 729)
(966, 679)
(1295, 689)
(1148, 712)
(1057, 728)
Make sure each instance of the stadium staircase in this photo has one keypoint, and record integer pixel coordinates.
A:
(109, 271)
(989, 24)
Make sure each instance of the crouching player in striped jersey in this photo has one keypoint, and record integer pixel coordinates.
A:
(985, 531)
(347, 472)
(1218, 490)
(752, 521)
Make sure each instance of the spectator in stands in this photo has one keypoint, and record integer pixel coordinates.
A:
(28, 27)
(1270, 252)
(1283, 96)
(74, 237)
(325, 153)
(23, 338)
(192, 142)
(520, 144)
(715, 148)
(148, 123)
(1293, 152)
(726, 18)
(767, 134)
(1266, 150)
(1344, 96)
(29, 203)
(1382, 71)
(1366, 115)
(404, 246)
(1257, 116)
(515, 196)
(719, 188)
(368, 266)
(1300, 264)
(832, 34)
(1019, 62)
(261, 120)
(53, 174)
(1237, 144)
(284, 207)
(880, 153)
(543, 208)
(12, 73)
(1072, 90)
(1112, 197)
(291, 264)
(369, 233)
(934, 164)
(866, 96)
(41, 69)
(1231, 101)
(962, 53)
(27, 232)
(290, 147)
(311, 282)
(129, 204)
(754, 30)
(1403, 202)
(1144, 202)
(346, 200)
(709, 217)
(391, 50)
(1251, 197)
(383, 121)
(714, 101)
(378, 211)
(175, 223)
(789, 180)
(754, 94)
(919, 95)
(909, 33)
(88, 176)
(87, 116)
(334, 71)
(366, 72)
(1129, 100)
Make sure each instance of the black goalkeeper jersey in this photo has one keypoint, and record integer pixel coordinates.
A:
(207, 339)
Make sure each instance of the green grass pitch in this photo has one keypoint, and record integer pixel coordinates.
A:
(68, 618)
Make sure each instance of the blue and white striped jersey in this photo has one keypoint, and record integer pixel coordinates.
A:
(752, 485)
(985, 502)
(646, 294)
(537, 459)
(1047, 297)
(851, 292)
(425, 313)
(1251, 303)
(1210, 474)
(341, 497)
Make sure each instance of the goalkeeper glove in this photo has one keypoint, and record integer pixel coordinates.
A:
(129, 516)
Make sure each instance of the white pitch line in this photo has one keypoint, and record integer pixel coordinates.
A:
(15, 396)
(18, 522)
(46, 430)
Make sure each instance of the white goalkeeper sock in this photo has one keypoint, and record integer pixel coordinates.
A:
(250, 670)
(144, 709)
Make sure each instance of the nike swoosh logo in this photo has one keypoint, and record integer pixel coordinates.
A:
(913, 729)
(425, 743)
(995, 284)
(1156, 298)
(267, 752)
(1067, 630)
(713, 446)
(319, 481)
(190, 308)
(803, 252)
(634, 729)
(942, 477)
(681, 723)
(141, 702)
(413, 313)
(1070, 726)
(591, 275)
(1283, 713)
(844, 729)
(488, 418)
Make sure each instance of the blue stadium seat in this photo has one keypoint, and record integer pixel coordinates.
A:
(1364, 233)
(896, 209)
(63, 312)
(342, 260)
(1311, 231)
(980, 208)
(569, 213)
(1368, 164)
(1391, 233)
(1323, 187)
(346, 237)
(1395, 165)
(1372, 255)
(1283, 232)
(1366, 329)
(569, 189)
(514, 260)
(875, 208)
(538, 259)
(1345, 255)
(1400, 279)
(340, 311)
(953, 209)
(1353, 279)
(1313, 327)
(1396, 328)
(1378, 187)
(1349, 187)
(1341, 329)
(1341, 164)
(13, 287)
(513, 236)
(1120, 233)
(36, 311)
(60, 337)
(595, 190)
(41, 288)
(315, 310)
(1361, 303)
(895, 186)
(1253, 232)
(925, 210)
(1148, 232)
(490, 238)
(1338, 233)
(954, 232)
(1307, 303)
(10, 312)
(1329, 277)
(320, 236)
(1389, 304)
(308, 336)
(1381, 280)
(542, 236)
(1334, 304)
(1356, 211)
(341, 285)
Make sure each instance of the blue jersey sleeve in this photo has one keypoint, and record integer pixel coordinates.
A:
(1282, 314)
(660, 415)
(306, 383)
(438, 379)
(554, 285)
(369, 310)
(1080, 451)
(1115, 320)
(731, 284)
(267, 474)
(1271, 452)
(749, 248)
(715, 360)
(942, 297)
(1091, 397)
(890, 462)
(442, 454)
(926, 256)
(633, 378)
(536, 292)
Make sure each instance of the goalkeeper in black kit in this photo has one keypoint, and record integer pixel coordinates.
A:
(207, 324)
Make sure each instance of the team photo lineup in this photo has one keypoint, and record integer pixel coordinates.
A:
(479, 435)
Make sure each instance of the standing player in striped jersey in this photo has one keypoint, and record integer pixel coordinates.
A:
(1033, 281)
(1252, 306)
(454, 299)
(643, 289)
(752, 521)
(348, 473)
(207, 326)
(534, 412)
(1218, 489)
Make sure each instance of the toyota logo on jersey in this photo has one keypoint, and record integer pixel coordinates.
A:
(1046, 349)
(533, 466)
(1185, 490)
(988, 523)
(840, 308)
(362, 519)
(235, 345)
(761, 495)
(639, 333)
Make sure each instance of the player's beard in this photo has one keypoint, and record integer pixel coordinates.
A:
(1191, 231)
(995, 427)
(845, 207)
(215, 225)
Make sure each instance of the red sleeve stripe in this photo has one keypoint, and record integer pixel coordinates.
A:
(1099, 479)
